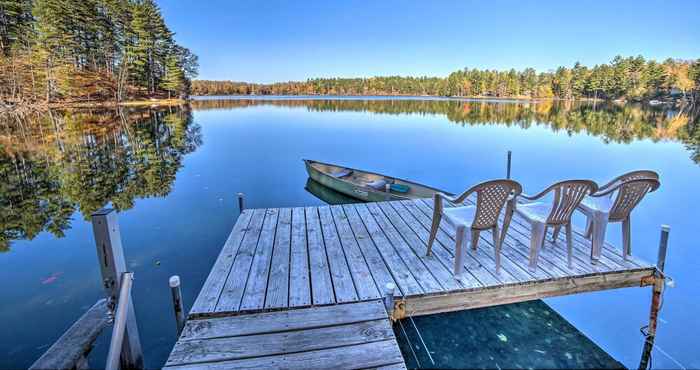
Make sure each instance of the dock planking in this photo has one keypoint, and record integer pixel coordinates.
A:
(281, 258)
(302, 287)
(343, 336)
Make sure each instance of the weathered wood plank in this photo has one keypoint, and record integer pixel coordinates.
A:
(361, 274)
(254, 294)
(401, 273)
(258, 345)
(523, 292)
(230, 299)
(299, 281)
(375, 262)
(426, 279)
(214, 285)
(277, 294)
(321, 284)
(343, 285)
(77, 341)
(365, 355)
(438, 270)
(280, 321)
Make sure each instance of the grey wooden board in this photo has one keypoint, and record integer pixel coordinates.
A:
(211, 290)
(279, 321)
(362, 356)
(281, 258)
(254, 295)
(277, 295)
(375, 262)
(343, 286)
(77, 341)
(230, 299)
(401, 273)
(361, 274)
(321, 283)
(301, 338)
(299, 281)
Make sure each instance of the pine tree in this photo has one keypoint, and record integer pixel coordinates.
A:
(174, 81)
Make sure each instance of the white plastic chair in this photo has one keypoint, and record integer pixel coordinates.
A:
(491, 196)
(614, 202)
(567, 196)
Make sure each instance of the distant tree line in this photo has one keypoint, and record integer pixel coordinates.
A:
(72, 50)
(633, 78)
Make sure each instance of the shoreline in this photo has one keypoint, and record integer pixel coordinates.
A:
(91, 104)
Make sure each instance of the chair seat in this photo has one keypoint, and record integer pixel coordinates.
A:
(593, 204)
(460, 215)
(535, 211)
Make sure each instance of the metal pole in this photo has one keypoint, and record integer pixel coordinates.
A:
(510, 154)
(389, 298)
(120, 319)
(177, 303)
(240, 202)
(110, 256)
(658, 288)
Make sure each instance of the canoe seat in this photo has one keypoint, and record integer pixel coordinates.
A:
(400, 188)
(377, 184)
(342, 173)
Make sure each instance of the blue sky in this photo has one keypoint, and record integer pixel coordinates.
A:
(268, 41)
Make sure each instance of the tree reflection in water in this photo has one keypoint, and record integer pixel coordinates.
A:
(611, 122)
(55, 163)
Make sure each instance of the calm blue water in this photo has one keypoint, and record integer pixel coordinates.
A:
(174, 175)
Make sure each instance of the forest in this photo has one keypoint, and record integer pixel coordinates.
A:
(629, 78)
(89, 50)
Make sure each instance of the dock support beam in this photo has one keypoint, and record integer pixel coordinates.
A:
(174, 283)
(658, 287)
(110, 256)
(510, 154)
(240, 202)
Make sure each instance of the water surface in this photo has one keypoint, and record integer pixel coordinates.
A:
(173, 174)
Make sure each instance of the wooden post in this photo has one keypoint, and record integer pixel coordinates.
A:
(177, 303)
(389, 298)
(510, 154)
(240, 202)
(120, 319)
(110, 256)
(658, 288)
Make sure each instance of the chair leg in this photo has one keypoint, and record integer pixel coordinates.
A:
(569, 244)
(545, 237)
(475, 238)
(589, 227)
(555, 233)
(535, 243)
(459, 253)
(497, 247)
(437, 216)
(506, 219)
(600, 224)
(626, 238)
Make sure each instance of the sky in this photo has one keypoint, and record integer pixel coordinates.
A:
(274, 41)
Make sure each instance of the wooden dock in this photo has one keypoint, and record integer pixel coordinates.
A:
(283, 267)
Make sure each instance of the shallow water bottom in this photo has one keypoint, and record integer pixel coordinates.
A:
(521, 335)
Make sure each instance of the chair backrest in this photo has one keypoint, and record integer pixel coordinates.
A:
(629, 194)
(491, 196)
(567, 196)
(634, 175)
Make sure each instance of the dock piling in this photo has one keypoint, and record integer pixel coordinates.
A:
(110, 255)
(510, 154)
(657, 290)
(120, 322)
(240, 202)
(174, 283)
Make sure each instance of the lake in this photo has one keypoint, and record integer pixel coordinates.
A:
(173, 174)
